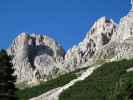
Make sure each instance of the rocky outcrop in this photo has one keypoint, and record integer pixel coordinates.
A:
(35, 57)
(125, 29)
(39, 57)
(121, 44)
(115, 51)
(99, 35)
(106, 40)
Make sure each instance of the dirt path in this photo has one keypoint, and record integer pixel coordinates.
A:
(54, 93)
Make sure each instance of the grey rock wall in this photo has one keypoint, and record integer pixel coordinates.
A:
(39, 57)
(35, 57)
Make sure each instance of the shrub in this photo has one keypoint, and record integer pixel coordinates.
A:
(7, 87)
(109, 82)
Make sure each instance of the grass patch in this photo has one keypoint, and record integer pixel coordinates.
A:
(27, 93)
(109, 82)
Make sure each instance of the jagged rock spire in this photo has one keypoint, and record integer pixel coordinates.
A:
(132, 5)
(99, 35)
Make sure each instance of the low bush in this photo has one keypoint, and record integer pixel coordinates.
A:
(27, 93)
(109, 82)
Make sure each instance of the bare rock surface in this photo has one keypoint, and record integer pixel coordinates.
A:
(105, 40)
(125, 29)
(99, 35)
(35, 57)
(121, 44)
(39, 57)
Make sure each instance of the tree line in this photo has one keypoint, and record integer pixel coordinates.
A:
(7, 79)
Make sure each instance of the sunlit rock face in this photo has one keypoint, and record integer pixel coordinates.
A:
(115, 51)
(122, 41)
(35, 57)
(40, 57)
(99, 35)
(125, 29)
(106, 40)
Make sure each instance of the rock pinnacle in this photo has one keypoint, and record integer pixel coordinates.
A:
(132, 4)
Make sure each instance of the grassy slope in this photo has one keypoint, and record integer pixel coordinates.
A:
(109, 82)
(27, 93)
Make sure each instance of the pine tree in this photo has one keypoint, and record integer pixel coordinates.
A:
(7, 80)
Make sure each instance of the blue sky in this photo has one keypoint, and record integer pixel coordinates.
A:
(67, 21)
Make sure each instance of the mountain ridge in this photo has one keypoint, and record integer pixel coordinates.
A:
(40, 58)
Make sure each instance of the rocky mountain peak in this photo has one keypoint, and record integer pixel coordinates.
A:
(99, 35)
(40, 57)
(21, 39)
(101, 32)
(121, 44)
(98, 26)
(132, 4)
(35, 56)
(131, 11)
(125, 29)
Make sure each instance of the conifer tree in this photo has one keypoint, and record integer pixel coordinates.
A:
(7, 80)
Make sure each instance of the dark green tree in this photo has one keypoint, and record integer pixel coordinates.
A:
(7, 79)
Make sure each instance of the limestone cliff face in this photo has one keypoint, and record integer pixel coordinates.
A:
(39, 57)
(35, 57)
(125, 29)
(106, 40)
(99, 35)
(121, 44)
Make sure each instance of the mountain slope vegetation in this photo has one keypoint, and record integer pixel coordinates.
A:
(34, 91)
(109, 82)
